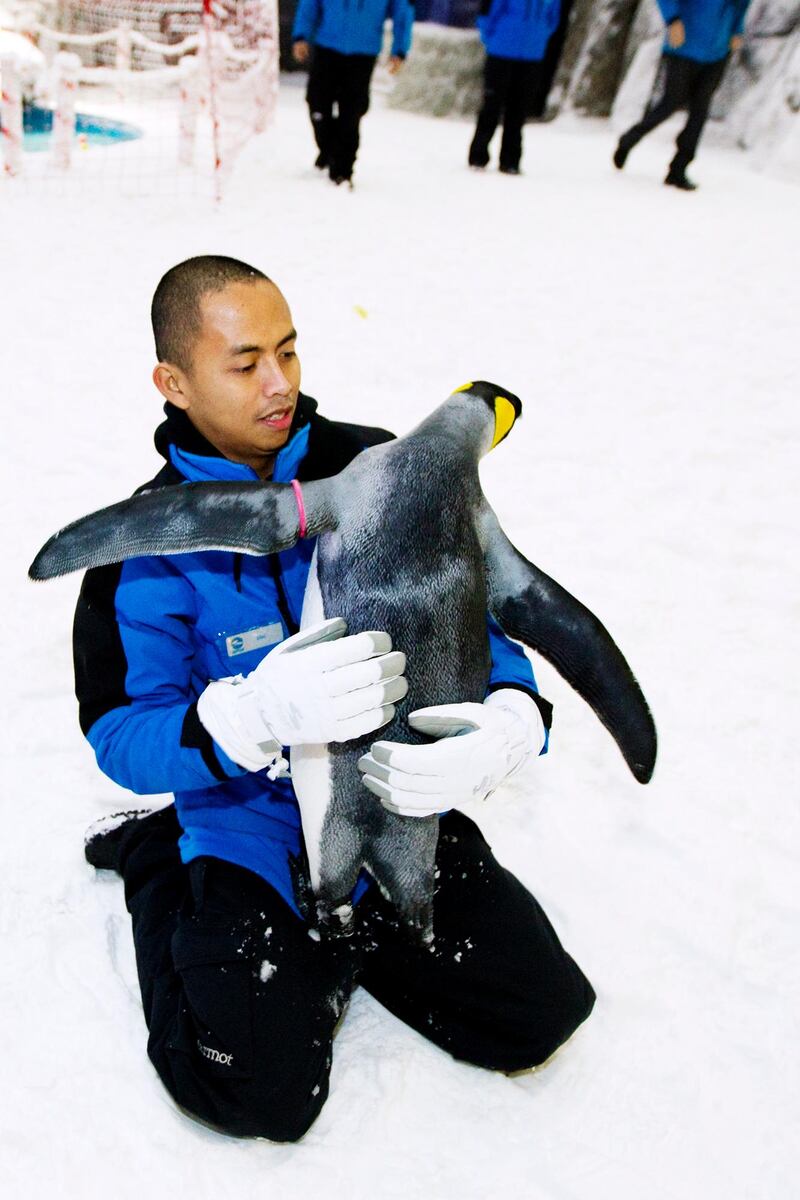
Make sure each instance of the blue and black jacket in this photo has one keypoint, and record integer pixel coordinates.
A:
(518, 29)
(709, 25)
(354, 26)
(151, 633)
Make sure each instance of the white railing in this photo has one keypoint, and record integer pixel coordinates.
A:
(68, 68)
(11, 124)
(124, 36)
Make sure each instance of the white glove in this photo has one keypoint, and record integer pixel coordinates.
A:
(318, 686)
(480, 746)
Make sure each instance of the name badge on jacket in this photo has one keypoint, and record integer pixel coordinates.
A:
(254, 639)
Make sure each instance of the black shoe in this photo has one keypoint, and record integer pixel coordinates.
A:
(321, 162)
(104, 838)
(478, 166)
(509, 170)
(621, 153)
(680, 180)
(338, 180)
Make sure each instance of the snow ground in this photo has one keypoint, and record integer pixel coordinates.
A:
(652, 337)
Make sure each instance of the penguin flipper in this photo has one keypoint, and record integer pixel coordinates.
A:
(533, 608)
(254, 518)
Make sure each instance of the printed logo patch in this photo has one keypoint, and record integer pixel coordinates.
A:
(254, 639)
(225, 1059)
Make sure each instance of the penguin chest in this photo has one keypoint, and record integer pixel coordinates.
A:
(311, 765)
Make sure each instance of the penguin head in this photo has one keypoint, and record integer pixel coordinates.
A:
(503, 406)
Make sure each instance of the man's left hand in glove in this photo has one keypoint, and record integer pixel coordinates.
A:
(479, 746)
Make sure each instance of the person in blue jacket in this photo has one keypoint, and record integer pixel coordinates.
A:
(515, 34)
(347, 37)
(240, 992)
(700, 36)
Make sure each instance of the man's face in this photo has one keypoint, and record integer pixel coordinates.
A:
(241, 389)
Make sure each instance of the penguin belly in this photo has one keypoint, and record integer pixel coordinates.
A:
(434, 607)
(311, 764)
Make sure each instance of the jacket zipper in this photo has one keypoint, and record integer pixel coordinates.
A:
(283, 603)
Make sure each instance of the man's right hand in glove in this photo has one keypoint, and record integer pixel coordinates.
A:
(318, 686)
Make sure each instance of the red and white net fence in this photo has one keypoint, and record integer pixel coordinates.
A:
(149, 98)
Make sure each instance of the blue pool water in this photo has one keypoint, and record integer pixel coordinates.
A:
(37, 126)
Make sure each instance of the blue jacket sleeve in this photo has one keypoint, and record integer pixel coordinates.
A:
(402, 21)
(511, 668)
(670, 11)
(490, 13)
(306, 20)
(738, 28)
(138, 680)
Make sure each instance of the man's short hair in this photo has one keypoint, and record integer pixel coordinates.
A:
(175, 311)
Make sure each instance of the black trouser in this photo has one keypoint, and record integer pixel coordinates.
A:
(687, 84)
(508, 85)
(241, 1001)
(339, 81)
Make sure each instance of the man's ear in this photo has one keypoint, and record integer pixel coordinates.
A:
(171, 382)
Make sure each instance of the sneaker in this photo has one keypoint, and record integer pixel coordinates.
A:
(680, 180)
(102, 841)
(509, 170)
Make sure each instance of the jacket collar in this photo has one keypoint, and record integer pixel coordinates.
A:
(179, 431)
(179, 442)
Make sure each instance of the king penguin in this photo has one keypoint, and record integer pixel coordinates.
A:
(408, 543)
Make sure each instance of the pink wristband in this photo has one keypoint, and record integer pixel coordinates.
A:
(301, 508)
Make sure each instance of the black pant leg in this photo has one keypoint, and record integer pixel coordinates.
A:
(320, 97)
(706, 81)
(240, 1002)
(678, 79)
(157, 890)
(522, 82)
(352, 96)
(496, 988)
(496, 83)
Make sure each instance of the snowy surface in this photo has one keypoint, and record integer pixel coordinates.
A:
(652, 337)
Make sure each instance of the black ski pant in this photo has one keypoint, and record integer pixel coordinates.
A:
(508, 86)
(688, 84)
(242, 998)
(338, 97)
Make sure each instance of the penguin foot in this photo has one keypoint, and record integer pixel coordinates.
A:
(335, 921)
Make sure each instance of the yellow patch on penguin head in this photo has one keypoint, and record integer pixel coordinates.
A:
(505, 414)
(505, 408)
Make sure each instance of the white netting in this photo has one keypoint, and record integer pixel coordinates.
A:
(150, 98)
